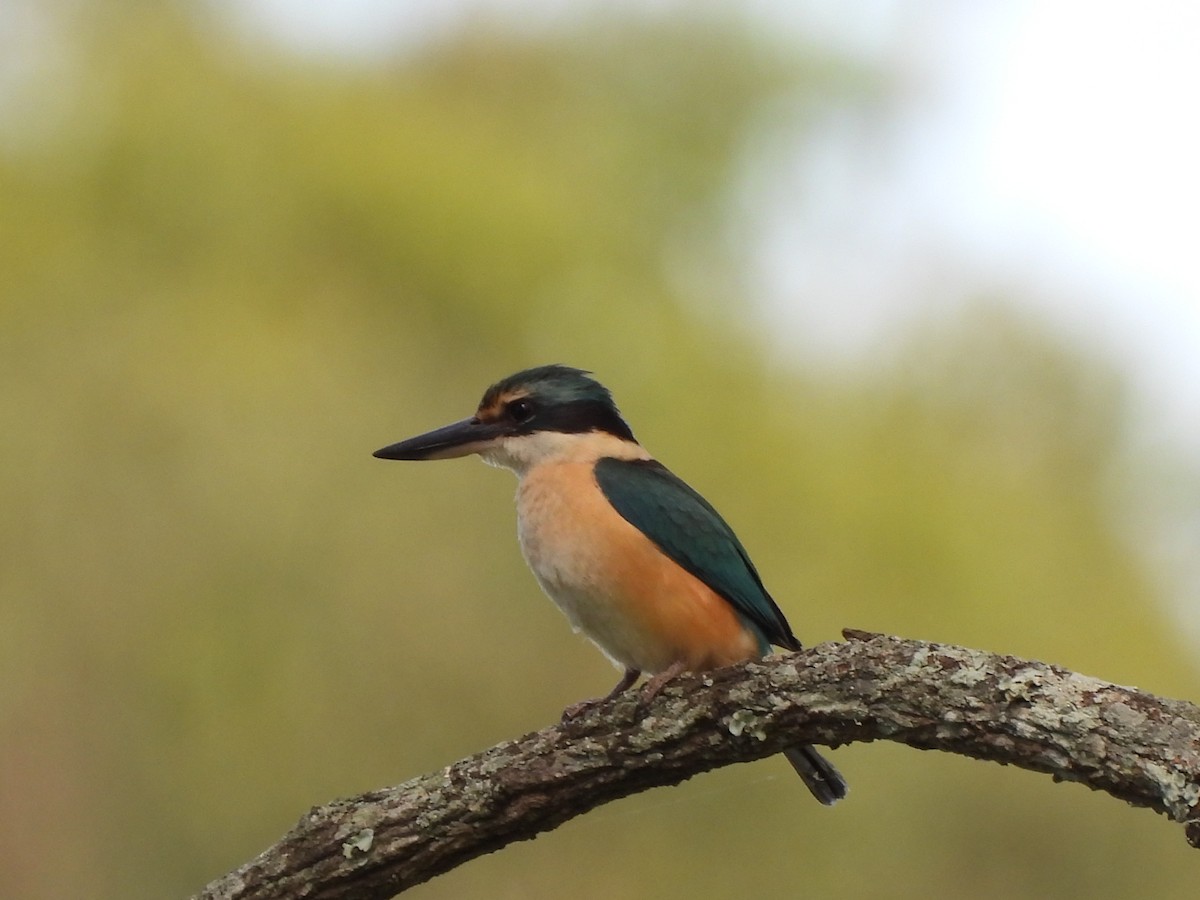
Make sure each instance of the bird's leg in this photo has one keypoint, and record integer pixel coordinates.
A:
(627, 680)
(659, 681)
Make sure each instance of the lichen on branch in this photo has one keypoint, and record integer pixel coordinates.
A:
(1133, 745)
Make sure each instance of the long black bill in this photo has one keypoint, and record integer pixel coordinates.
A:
(447, 442)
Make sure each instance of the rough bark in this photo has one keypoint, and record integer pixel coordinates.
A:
(1137, 747)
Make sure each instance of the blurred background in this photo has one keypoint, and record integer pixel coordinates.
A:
(909, 291)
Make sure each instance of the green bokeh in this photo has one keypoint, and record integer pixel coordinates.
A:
(228, 276)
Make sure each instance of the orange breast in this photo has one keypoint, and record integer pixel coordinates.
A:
(640, 607)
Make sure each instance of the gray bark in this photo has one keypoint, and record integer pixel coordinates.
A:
(1137, 747)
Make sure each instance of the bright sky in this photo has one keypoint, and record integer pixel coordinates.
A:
(1097, 156)
(1056, 143)
(1053, 146)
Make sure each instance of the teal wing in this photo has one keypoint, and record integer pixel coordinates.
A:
(686, 528)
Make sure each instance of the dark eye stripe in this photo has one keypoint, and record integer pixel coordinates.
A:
(581, 417)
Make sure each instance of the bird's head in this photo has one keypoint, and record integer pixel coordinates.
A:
(538, 415)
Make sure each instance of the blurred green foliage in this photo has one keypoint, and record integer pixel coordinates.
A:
(229, 275)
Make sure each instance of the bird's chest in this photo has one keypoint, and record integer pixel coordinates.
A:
(603, 573)
(566, 527)
(613, 584)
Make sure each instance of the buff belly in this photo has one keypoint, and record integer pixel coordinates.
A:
(614, 585)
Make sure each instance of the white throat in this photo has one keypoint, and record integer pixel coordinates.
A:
(521, 453)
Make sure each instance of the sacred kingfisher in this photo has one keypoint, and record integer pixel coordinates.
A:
(636, 559)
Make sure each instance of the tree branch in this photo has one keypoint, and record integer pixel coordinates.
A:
(1137, 747)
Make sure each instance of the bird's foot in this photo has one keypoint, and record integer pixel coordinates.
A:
(577, 709)
(652, 687)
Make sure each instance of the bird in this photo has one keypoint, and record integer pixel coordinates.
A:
(637, 560)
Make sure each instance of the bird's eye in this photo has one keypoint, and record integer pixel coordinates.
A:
(520, 410)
